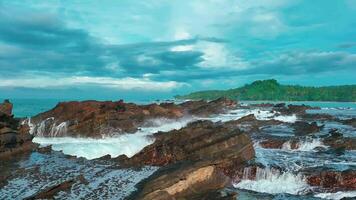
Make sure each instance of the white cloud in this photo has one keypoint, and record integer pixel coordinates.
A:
(127, 83)
(182, 48)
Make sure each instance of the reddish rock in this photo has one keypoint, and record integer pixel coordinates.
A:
(14, 137)
(95, 118)
(201, 140)
(199, 159)
(336, 140)
(6, 107)
(334, 180)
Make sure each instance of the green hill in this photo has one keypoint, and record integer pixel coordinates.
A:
(272, 90)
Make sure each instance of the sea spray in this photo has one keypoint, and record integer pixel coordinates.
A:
(306, 145)
(128, 144)
(337, 195)
(272, 181)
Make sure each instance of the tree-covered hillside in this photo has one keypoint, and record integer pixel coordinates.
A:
(272, 90)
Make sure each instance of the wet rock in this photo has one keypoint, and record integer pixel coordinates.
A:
(95, 118)
(250, 124)
(6, 107)
(50, 192)
(182, 181)
(14, 137)
(203, 108)
(333, 180)
(201, 140)
(350, 122)
(318, 117)
(198, 159)
(338, 142)
(293, 109)
(305, 128)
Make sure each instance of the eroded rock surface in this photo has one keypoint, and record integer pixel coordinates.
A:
(95, 118)
(201, 157)
(14, 137)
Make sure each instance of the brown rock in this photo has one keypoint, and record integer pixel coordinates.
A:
(14, 138)
(201, 140)
(334, 180)
(95, 118)
(305, 128)
(181, 182)
(6, 107)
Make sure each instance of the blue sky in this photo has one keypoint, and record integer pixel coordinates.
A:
(159, 48)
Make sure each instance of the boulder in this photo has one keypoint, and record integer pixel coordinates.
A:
(182, 181)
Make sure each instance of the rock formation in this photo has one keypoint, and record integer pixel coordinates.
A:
(200, 158)
(14, 137)
(95, 118)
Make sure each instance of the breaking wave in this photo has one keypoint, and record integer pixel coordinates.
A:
(128, 144)
(272, 181)
(337, 195)
(308, 145)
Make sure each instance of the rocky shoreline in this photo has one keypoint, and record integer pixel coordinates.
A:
(198, 161)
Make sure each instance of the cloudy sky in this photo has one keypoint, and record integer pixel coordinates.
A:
(158, 48)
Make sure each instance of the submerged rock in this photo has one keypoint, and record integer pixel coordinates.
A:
(338, 142)
(305, 128)
(293, 109)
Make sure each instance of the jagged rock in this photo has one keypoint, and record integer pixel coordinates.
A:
(200, 158)
(293, 109)
(14, 137)
(333, 180)
(305, 128)
(182, 181)
(338, 142)
(350, 122)
(95, 118)
(250, 124)
(317, 116)
(6, 107)
(198, 140)
(203, 108)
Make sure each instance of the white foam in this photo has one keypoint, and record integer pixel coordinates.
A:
(337, 195)
(128, 144)
(308, 145)
(258, 113)
(273, 182)
(286, 118)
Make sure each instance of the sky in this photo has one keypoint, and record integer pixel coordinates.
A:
(148, 49)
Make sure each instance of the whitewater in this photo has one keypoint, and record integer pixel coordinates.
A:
(269, 180)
